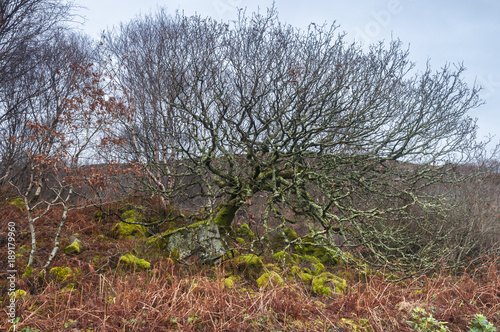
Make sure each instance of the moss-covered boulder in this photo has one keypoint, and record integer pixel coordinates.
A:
(325, 253)
(230, 282)
(327, 284)
(126, 228)
(75, 247)
(270, 279)
(284, 257)
(128, 231)
(133, 262)
(251, 265)
(305, 277)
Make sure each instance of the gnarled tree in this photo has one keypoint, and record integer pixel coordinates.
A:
(344, 138)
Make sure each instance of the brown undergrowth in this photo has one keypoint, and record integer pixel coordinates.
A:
(190, 297)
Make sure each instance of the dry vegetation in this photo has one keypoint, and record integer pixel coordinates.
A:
(191, 297)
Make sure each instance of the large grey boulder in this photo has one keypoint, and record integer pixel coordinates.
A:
(201, 239)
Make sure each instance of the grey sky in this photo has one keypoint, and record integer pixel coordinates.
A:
(436, 30)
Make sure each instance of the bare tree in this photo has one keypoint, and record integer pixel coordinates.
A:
(344, 138)
(26, 27)
(142, 51)
(64, 126)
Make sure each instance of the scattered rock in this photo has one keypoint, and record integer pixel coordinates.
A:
(327, 284)
(134, 262)
(75, 247)
(270, 279)
(128, 231)
(125, 230)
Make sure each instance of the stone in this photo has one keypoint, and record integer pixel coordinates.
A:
(125, 230)
(201, 239)
(270, 279)
(134, 262)
(128, 231)
(74, 248)
(327, 284)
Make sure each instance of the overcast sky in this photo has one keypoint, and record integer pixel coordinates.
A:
(436, 30)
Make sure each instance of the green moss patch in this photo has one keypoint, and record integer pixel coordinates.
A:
(18, 294)
(134, 262)
(230, 282)
(74, 248)
(285, 257)
(270, 279)
(63, 273)
(327, 284)
(128, 231)
(322, 252)
(18, 203)
(251, 265)
(245, 232)
(360, 325)
(283, 238)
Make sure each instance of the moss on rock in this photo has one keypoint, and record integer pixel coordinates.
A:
(74, 248)
(251, 265)
(241, 241)
(225, 215)
(134, 262)
(305, 277)
(133, 216)
(230, 282)
(285, 257)
(318, 285)
(320, 251)
(327, 284)
(318, 268)
(311, 259)
(245, 232)
(125, 230)
(270, 279)
(128, 231)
